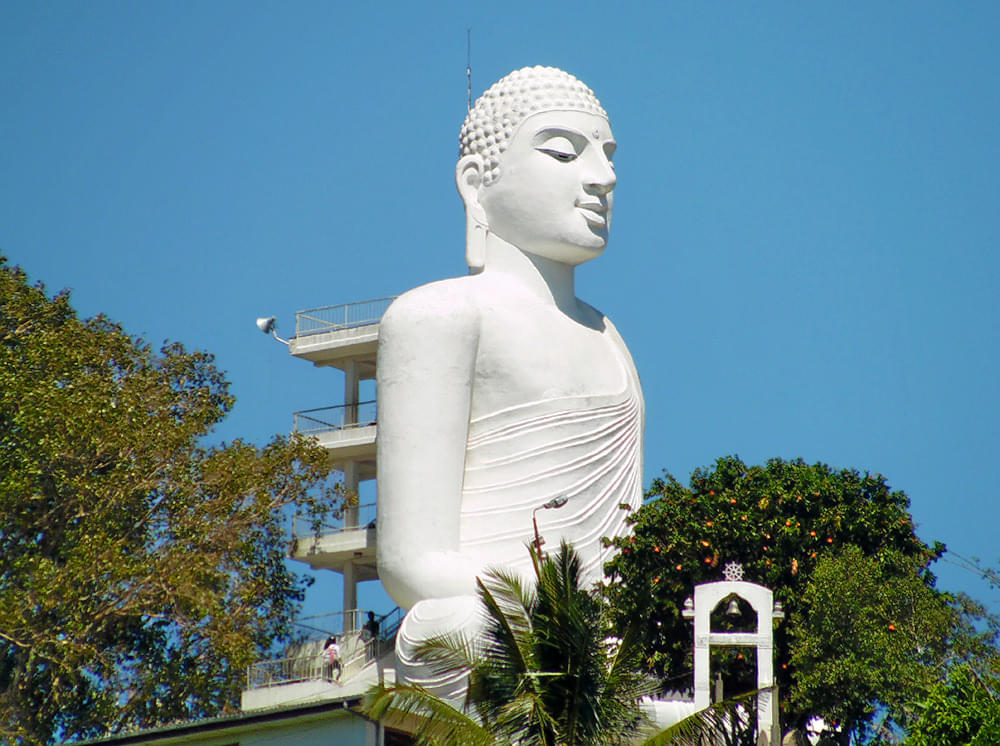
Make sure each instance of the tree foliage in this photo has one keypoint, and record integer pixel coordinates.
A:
(963, 707)
(867, 631)
(544, 672)
(782, 521)
(140, 570)
(961, 710)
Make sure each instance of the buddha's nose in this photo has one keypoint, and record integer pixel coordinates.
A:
(601, 177)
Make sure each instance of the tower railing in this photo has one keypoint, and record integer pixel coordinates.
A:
(304, 660)
(362, 518)
(340, 417)
(344, 316)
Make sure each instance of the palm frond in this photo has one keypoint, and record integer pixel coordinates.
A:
(449, 654)
(626, 672)
(544, 672)
(432, 720)
(511, 586)
(508, 634)
(526, 721)
(702, 728)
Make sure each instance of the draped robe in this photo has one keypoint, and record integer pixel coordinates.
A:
(585, 448)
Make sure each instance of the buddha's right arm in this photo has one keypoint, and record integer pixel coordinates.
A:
(426, 365)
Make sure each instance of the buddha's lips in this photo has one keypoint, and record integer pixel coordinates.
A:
(594, 212)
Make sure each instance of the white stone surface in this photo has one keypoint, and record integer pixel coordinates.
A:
(353, 684)
(502, 390)
(336, 347)
(666, 712)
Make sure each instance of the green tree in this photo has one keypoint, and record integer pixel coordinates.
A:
(780, 521)
(140, 570)
(545, 671)
(962, 710)
(867, 632)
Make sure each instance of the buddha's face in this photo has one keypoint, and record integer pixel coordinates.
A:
(553, 197)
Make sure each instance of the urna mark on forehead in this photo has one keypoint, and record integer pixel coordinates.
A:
(496, 114)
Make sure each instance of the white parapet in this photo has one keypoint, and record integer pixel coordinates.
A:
(305, 679)
(333, 335)
(333, 550)
(335, 347)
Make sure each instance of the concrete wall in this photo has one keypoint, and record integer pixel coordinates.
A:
(302, 727)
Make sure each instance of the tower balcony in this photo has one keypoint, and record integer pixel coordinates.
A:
(337, 545)
(303, 674)
(347, 432)
(335, 335)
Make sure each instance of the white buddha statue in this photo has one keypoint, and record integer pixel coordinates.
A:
(501, 390)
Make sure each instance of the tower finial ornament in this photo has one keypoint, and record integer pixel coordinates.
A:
(468, 66)
(733, 571)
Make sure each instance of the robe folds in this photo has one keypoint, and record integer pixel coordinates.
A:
(585, 448)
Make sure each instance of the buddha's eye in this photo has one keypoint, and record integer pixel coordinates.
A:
(559, 155)
(560, 148)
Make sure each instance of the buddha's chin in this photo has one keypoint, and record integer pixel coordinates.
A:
(572, 254)
(582, 255)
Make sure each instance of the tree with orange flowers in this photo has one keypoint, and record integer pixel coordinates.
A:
(783, 521)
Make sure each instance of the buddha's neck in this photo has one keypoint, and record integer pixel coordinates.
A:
(552, 282)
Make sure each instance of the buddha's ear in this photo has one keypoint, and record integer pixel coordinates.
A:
(468, 179)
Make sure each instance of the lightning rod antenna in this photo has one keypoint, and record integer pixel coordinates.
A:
(468, 65)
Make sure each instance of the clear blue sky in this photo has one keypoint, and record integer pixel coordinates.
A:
(804, 254)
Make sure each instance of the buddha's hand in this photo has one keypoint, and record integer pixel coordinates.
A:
(457, 618)
(416, 576)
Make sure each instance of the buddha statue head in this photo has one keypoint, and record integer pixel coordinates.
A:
(535, 168)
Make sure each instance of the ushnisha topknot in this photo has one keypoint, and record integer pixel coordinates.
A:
(524, 92)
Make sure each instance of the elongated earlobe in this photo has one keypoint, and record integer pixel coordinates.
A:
(475, 244)
(468, 179)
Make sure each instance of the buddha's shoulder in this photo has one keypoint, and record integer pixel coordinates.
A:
(449, 302)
